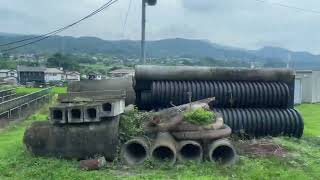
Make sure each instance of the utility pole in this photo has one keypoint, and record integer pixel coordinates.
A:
(143, 27)
(143, 32)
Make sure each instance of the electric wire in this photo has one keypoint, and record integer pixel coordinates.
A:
(50, 34)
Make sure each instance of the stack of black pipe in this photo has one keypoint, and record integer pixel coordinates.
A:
(253, 102)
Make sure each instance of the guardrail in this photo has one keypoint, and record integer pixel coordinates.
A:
(16, 102)
(6, 92)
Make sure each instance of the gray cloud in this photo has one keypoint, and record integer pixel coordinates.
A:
(239, 23)
(194, 5)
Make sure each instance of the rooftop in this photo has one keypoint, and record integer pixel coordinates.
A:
(53, 71)
(31, 69)
(123, 71)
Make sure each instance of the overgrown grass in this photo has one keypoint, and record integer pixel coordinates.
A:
(311, 115)
(303, 161)
(25, 90)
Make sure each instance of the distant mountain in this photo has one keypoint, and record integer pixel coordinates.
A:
(166, 48)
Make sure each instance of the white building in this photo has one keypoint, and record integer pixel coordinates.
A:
(307, 87)
(54, 75)
(5, 73)
(72, 76)
(122, 73)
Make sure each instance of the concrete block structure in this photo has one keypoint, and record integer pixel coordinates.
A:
(92, 113)
(112, 108)
(59, 114)
(76, 113)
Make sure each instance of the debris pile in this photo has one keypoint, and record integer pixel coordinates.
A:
(253, 102)
(170, 137)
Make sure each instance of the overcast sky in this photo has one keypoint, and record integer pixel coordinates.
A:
(238, 23)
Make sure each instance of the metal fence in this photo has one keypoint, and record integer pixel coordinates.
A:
(7, 92)
(16, 102)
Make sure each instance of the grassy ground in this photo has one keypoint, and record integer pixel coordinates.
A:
(24, 90)
(302, 162)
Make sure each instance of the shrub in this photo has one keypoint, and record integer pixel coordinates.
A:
(131, 124)
(199, 116)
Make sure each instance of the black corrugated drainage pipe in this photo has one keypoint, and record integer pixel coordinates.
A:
(257, 122)
(135, 151)
(227, 94)
(164, 149)
(222, 152)
(190, 151)
(192, 73)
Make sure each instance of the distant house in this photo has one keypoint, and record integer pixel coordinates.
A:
(94, 76)
(5, 73)
(31, 74)
(72, 76)
(54, 75)
(121, 73)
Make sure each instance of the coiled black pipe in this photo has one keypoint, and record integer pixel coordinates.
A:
(257, 122)
(228, 94)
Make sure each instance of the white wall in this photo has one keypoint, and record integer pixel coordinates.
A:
(316, 86)
(49, 77)
(73, 77)
(3, 75)
(306, 83)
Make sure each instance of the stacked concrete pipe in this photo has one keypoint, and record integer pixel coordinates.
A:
(222, 152)
(190, 151)
(136, 151)
(164, 149)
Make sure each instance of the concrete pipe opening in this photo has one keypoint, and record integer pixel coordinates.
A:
(190, 151)
(107, 107)
(76, 113)
(163, 153)
(222, 152)
(57, 114)
(92, 113)
(164, 149)
(135, 152)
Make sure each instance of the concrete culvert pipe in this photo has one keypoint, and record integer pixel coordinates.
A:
(164, 149)
(222, 152)
(135, 151)
(190, 151)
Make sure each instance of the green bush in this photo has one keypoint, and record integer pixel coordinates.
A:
(199, 116)
(131, 124)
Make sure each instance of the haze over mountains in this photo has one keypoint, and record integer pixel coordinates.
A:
(167, 48)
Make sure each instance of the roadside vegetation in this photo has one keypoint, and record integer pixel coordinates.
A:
(25, 90)
(301, 160)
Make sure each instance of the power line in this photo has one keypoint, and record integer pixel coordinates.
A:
(290, 7)
(48, 35)
(59, 30)
(126, 18)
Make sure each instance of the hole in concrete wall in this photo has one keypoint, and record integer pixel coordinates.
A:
(135, 152)
(190, 152)
(92, 113)
(223, 154)
(57, 114)
(76, 113)
(107, 107)
(66, 115)
(163, 153)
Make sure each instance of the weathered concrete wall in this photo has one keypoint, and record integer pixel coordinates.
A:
(74, 141)
(103, 85)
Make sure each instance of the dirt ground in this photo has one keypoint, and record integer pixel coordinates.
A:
(260, 147)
